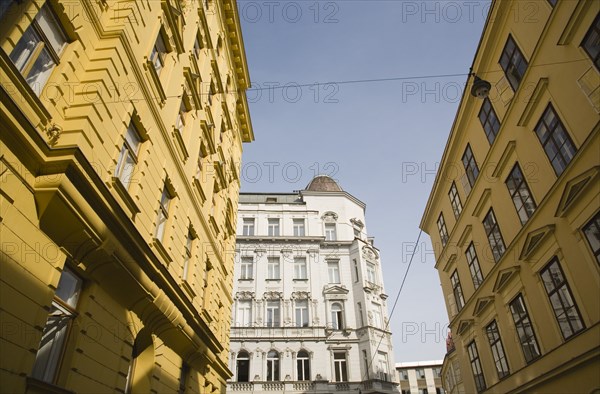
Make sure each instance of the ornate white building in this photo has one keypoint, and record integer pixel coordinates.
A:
(309, 311)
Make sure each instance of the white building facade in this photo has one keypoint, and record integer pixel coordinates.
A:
(420, 377)
(309, 311)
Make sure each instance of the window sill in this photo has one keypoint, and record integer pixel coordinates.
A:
(273, 280)
(188, 288)
(246, 280)
(125, 196)
(181, 144)
(35, 386)
(156, 79)
(162, 251)
(198, 186)
(301, 280)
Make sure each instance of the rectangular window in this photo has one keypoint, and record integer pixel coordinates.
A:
(38, 50)
(441, 223)
(300, 268)
(360, 314)
(333, 269)
(555, 140)
(273, 227)
(489, 120)
(403, 374)
(591, 42)
(298, 227)
(560, 296)
(188, 254)
(474, 267)
(455, 200)
(301, 312)
(197, 46)
(247, 268)
(181, 116)
(61, 315)
(201, 156)
(371, 274)
(273, 314)
(340, 367)
(457, 290)
(158, 54)
(128, 157)
(382, 366)
(355, 263)
(303, 366)
(248, 226)
(471, 169)
(244, 318)
(494, 236)
(592, 234)
(376, 309)
(420, 372)
(476, 367)
(330, 233)
(513, 63)
(520, 194)
(163, 213)
(524, 328)
(493, 335)
(273, 268)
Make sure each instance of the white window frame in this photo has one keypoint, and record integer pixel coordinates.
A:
(333, 271)
(247, 268)
(301, 313)
(337, 316)
(273, 268)
(163, 213)
(128, 157)
(273, 313)
(248, 226)
(244, 316)
(274, 229)
(158, 53)
(330, 232)
(299, 227)
(300, 268)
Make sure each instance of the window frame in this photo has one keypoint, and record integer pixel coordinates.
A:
(474, 266)
(163, 213)
(333, 271)
(511, 66)
(455, 201)
(300, 268)
(273, 227)
(486, 116)
(273, 268)
(594, 28)
(246, 355)
(246, 268)
(330, 232)
(273, 366)
(494, 235)
(159, 52)
(492, 333)
(187, 257)
(470, 165)
(299, 227)
(518, 189)
(457, 290)
(301, 313)
(248, 226)
(337, 316)
(443, 230)
(474, 360)
(551, 136)
(303, 366)
(588, 227)
(523, 322)
(128, 152)
(563, 290)
(340, 366)
(244, 313)
(273, 313)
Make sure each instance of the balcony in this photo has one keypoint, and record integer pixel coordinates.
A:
(370, 386)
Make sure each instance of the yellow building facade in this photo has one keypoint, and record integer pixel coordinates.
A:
(121, 131)
(514, 211)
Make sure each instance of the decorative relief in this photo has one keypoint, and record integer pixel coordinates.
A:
(369, 253)
(273, 295)
(53, 132)
(357, 223)
(329, 217)
(300, 295)
(244, 295)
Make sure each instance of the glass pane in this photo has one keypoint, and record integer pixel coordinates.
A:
(23, 50)
(52, 29)
(40, 72)
(69, 287)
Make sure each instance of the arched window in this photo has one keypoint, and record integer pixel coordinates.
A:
(303, 365)
(337, 321)
(139, 376)
(243, 366)
(272, 366)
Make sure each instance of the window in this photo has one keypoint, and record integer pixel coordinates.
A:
(493, 335)
(298, 227)
(303, 365)
(243, 367)
(337, 321)
(333, 269)
(437, 372)
(360, 314)
(592, 234)
(300, 268)
(403, 374)
(520, 194)
(382, 366)
(489, 120)
(163, 213)
(159, 51)
(129, 156)
(273, 268)
(377, 322)
(38, 50)
(457, 290)
(248, 226)
(471, 169)
(197, 45)
(201, 156)
(552, 2)
(494, 236)
(371, 276)
(355, 264)
(247, 268)
(272, 366)
(62, 314)
(330, 233)
(474, 268)
(301, 312)
(273, 227)
(442, 229)
(273, 314)
(188, 254)
(476, 367)
(181, 115)
(560, 296)
(340, 367)
(525, 332)
(591, 42)
(244, 318)
(420, 373)
(183, 375)
(513, 63)
(455, 200)
(555, 140)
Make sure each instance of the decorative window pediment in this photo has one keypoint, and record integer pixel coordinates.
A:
(485, 197)
(174, 16)
(504, 159)
(357, 222)
(329, 217)
(335, 290)
(574, 188)
(370, 253)
(463, 326)
(244, 295)
(449, 263)
(273, 295)
(504, 277)
(465, 235)
(301, 295)
(482, 304)
(534, 240)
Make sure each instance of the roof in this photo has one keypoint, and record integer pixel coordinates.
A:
(323, 183)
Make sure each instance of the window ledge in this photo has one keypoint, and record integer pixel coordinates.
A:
(273, 280)
(181, 144)
(200, 190)
(35, 386)
(124, 194)
(162, 251)
(246, 279)
(188, 288)
(300, 280)
(156, 79)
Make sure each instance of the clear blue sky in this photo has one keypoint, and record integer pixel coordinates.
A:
(380, 140)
